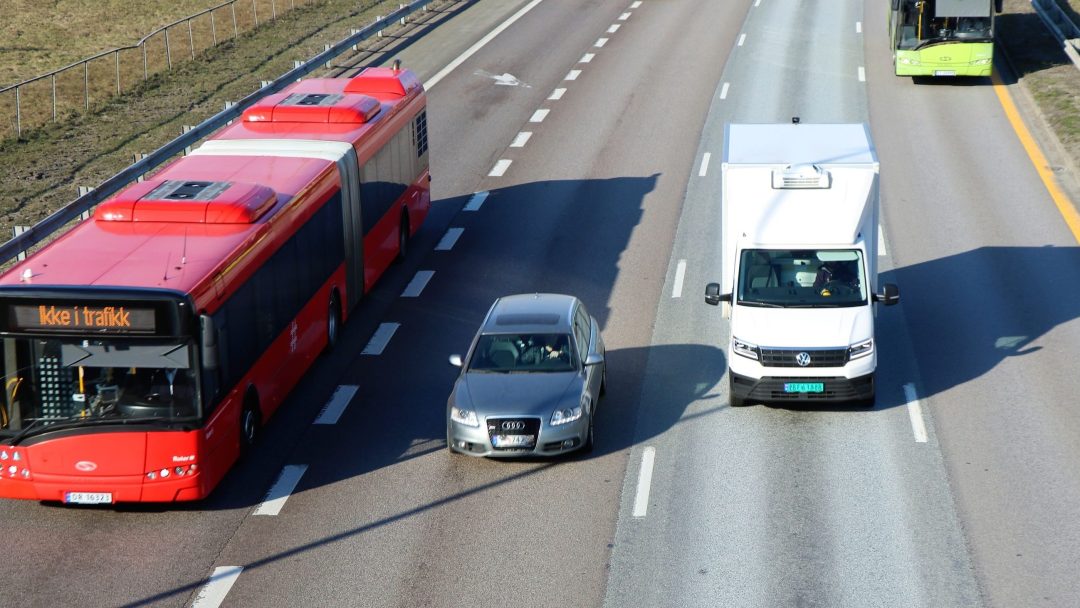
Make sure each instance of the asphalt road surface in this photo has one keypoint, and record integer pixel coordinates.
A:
(568, 154)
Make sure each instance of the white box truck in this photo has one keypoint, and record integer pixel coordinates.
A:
(800, 206)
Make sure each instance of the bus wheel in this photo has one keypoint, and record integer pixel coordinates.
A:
(249, 425)
(333, 323)
(403, 238)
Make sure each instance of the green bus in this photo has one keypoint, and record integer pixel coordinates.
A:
(942, 37)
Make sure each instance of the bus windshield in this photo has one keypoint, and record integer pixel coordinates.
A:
(784, 278)
(50, 382)
(937, 31)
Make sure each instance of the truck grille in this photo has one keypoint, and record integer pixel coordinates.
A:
(819, 357)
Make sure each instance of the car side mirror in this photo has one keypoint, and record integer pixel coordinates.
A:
(713, 295)
(594, 359)
(455, 360)
(890, 294)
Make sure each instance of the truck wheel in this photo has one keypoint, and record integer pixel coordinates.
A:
(734, 401)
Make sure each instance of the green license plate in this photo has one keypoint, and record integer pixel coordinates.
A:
(804, 387)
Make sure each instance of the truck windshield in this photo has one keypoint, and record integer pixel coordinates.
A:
(74, 382)
(801, 278)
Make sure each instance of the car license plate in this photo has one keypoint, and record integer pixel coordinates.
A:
(804, 387)
(88, 498)
(944, 72)
(513, 441)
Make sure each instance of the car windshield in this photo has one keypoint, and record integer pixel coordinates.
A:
(504, 353)
(75, 381)
(801, 278)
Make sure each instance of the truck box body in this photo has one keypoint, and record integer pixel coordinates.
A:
(800, 207)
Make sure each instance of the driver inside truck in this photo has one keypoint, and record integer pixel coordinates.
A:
(836, 275)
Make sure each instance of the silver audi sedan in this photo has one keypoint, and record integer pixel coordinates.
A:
(531, 381)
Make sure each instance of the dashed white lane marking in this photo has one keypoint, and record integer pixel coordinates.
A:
(572, 75)
(680, 274)
(644, 481)
(460, 59)
(724, 90)
(636, 4)
(918, 426)
(417, 285)
(519, 142)
(557, 94)
(858, 27)
(757, 2)
(881, 241)
(448, 239)
(600, 42)
(214, 591)
(500, 167)
(742, 39)
(586, 58)
(380, 339)
(335, 407)
(862, 74)
(614, 28)
(704, 170)
(539, 116)
(282, 488)
(624, 16)
(478, 198)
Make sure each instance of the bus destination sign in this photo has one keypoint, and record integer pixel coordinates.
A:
(98, 319)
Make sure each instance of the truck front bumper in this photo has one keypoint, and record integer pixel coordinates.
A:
(771, 389)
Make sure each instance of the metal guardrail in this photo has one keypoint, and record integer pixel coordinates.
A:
(1061, 26)
(86, 202)
(39, 100)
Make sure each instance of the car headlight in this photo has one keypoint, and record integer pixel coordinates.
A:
(466, 417)
(569, 414)
(860, 350)
(746, 349)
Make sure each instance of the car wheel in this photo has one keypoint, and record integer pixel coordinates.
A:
(603, 382)
(449, 449)
(590, 442)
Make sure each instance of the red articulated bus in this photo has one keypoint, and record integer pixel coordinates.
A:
(143, 349)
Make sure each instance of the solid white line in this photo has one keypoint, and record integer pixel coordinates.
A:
(742, 39)
(915, 413)
(500, 168)
(519, 142)
(600, 42)
(624, 16)
(335, 407)
(636, 4)
(557, 94)
(881, 241)
(539, 115)
(478, 198)
(214, 591)
(448, 239)
(479, 45)
(862, 74)
(380, 338)
(858, 27)
(680, 274)
(723, 90)
(704, 164)
(614, 28)
(417, 285)
(586, 58)
(572, 75)
(644, 481)
(282, 488)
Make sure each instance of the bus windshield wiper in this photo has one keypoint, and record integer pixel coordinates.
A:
(36, 428)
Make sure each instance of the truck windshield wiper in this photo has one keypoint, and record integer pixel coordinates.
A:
(760, 304)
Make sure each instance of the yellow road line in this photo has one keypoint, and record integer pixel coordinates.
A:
(1042, 167)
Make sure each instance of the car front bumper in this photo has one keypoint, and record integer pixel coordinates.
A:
(550, 440)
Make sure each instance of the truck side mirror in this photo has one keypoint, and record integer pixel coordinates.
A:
(890, 294)
(713, 295)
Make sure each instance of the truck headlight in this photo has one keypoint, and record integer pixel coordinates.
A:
(746, 349)
(860, 350)
(466, 417)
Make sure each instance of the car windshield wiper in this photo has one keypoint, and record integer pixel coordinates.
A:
(38, 426)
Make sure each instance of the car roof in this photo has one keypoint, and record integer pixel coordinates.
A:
(530, 313)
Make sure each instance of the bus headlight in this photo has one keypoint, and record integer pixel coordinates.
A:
(985, 61)
(910, 61)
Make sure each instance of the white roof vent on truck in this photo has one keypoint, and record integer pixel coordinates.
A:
(801, 176)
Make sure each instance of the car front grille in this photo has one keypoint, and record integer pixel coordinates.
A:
(514, 426)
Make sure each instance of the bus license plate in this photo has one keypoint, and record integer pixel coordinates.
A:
(804, 387)
(944, 72)
(88, 498)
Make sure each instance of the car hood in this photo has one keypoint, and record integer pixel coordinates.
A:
(803, 327)
(516, 394)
